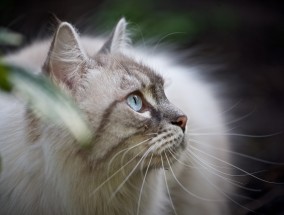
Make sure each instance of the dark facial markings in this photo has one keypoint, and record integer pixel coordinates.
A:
(105, 120)
(134, 69)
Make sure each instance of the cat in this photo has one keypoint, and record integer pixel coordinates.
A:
(143, 109)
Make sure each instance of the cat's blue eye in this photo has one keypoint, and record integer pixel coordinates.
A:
(135, 102)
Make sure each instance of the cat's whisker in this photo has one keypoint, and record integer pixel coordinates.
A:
(142, 186)
(184, 188)
(218, 166)
(124, 154)
(123, 170)
(116, 172)
(234, 166)
(229, 109)
(221, 167)
(125, 151)
(222, 192)
(214, 170)
(142, 166)
(167, 186)
(207, 166)
(184, 164)
(131, 172)
(192, 167)
(141, 34)
(236, 134)
(240, 154)
(215, 165)
(237, 195)
(164, 37)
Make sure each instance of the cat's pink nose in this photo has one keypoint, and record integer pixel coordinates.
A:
(181, 122)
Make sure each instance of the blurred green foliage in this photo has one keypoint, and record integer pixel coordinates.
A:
(8, 37)
(5, 84)
(46, 100)
(175, 24)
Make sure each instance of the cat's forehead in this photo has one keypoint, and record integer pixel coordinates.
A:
(131, 71)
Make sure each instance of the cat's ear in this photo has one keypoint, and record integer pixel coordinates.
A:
(118, 38)
(65, 57)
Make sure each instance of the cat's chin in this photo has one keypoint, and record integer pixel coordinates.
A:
(160, 161)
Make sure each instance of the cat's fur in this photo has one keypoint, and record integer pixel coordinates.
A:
(45, 171)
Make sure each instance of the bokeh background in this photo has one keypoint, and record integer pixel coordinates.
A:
(240, 42)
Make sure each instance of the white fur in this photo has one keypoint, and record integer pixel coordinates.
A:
(35, 168)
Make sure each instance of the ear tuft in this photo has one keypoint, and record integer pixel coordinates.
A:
(65, 55)
(66, 45)
(118, 39)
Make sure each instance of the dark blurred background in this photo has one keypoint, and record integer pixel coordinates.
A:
(242, 40)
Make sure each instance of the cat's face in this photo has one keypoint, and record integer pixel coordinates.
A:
(128, 111)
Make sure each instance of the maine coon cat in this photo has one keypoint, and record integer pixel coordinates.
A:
(147, 113)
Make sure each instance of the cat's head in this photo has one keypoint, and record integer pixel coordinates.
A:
(124, 100)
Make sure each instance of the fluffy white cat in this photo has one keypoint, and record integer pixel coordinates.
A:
(148, 155)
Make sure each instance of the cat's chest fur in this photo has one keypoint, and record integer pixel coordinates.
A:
(138, 131)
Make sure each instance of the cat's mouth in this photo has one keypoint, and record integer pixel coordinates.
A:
(170, 140)
(166, 152)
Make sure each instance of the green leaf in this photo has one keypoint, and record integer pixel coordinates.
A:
(5, 84)
(8, 37)
(46, 100)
